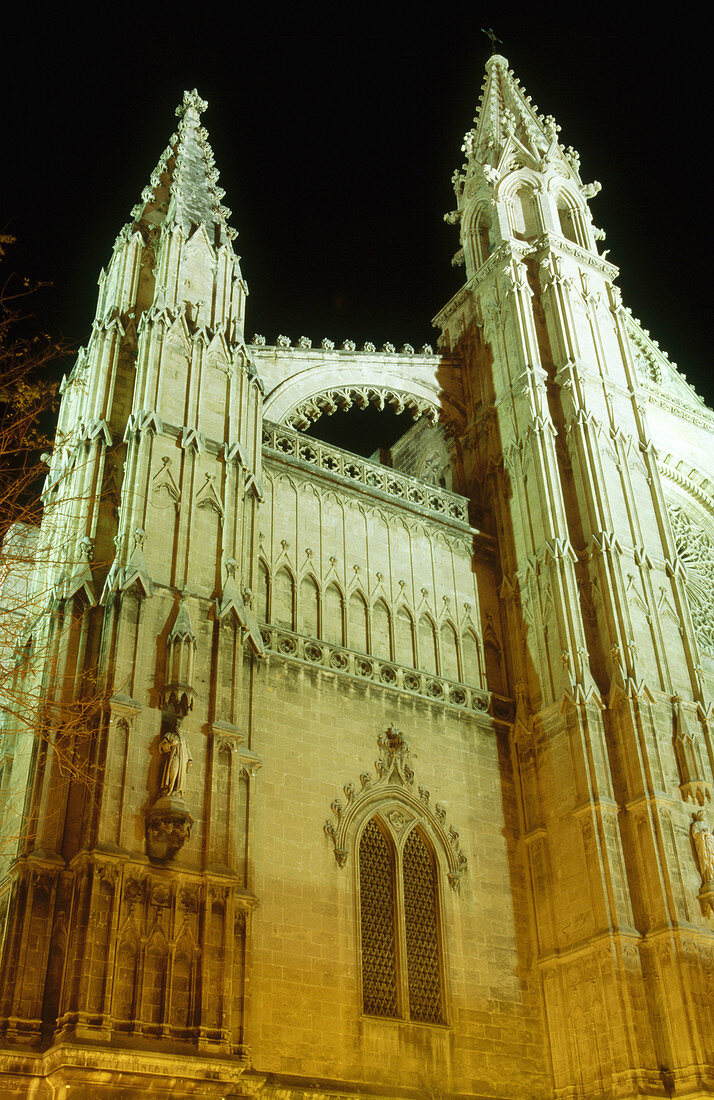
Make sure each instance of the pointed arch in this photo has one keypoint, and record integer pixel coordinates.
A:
(470, 661)
(381, 631)
(421, 921)
(125, 979)
(377, 907)
(523, 212)
(571, 218)
(333, 615)
(449, 652)
(283, 602)
(357, 622)
(155, 979)
(427, 644)
(401, 951)
(477, 238)
(181, 983)
(404, 638)
(309, 606)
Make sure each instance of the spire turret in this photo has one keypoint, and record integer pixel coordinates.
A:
(506, 112)
(518, 181)
(183, 188)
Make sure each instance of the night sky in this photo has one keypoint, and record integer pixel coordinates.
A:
(336, 153)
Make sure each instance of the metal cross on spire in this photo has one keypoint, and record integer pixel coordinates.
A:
(493, 38)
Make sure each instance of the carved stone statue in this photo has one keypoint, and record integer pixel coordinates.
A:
(703, 840)
(174, 747)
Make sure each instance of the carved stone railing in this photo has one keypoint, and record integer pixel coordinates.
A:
(375, 670)
(382, 479)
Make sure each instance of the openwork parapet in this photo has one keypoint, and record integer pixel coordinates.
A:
(372, 475)
(387, 674)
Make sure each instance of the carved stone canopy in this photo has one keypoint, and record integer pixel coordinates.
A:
(393, 791)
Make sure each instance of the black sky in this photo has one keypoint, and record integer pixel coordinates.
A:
(336, 152)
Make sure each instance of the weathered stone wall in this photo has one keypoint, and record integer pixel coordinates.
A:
(305, 949)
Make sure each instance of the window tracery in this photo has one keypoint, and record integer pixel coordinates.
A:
(401, 852)
(399, 925)
(697, 555)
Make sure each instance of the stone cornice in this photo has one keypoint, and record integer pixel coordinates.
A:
(375, 672)
(548, 241)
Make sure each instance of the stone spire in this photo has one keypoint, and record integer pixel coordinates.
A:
(505, 112)
(183, 188)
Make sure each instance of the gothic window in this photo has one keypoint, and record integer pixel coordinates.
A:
(524, 214)
(478, 240)
(696, 552)
(570, 219)
(399, 926)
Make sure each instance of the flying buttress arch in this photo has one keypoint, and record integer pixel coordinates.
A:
(299, 392)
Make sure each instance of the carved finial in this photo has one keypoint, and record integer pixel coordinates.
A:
(493, 39)
(191, 102)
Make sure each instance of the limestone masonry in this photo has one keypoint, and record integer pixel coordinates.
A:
(397, 775)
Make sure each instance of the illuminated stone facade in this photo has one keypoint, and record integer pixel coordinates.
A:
(400, 781)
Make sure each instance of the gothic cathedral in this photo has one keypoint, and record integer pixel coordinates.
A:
(397, 771)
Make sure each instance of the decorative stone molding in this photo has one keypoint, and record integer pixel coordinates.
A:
(383, 479)
(394, 777)
(360, 667)
(330, 401)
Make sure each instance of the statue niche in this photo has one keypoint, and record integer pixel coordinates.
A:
(169, 822)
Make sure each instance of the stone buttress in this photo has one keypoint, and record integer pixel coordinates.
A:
(600, 674)
(130, 904)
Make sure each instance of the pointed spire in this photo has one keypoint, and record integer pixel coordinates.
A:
(183, 188)
(505, 111)
(183, 628)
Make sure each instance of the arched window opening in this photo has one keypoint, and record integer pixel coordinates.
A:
(483, 239)
(357, 625)
(479, 239)
(421, 904)
(381, 634)
(402, 967)
(308, 607)
(284, 599)
(333, 616)
(404, 639)
(427, 645)
(377, 923)
(524, 214)
(571, 222)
